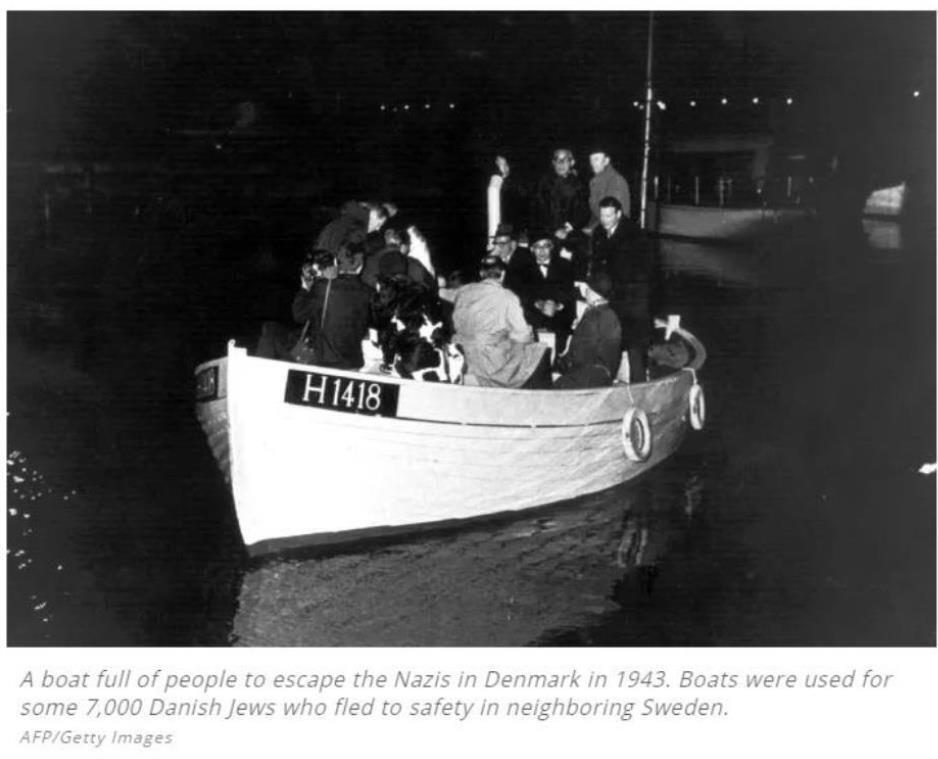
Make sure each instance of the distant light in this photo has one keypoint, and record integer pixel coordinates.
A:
(755, 101)
(406, 106)
(723, 101)
(916, 94)
(789, 101)
(383, 107)
(426, 106)
(661, 105)
(693, 103)
(635, 104)
(217, 146)
(452, 106)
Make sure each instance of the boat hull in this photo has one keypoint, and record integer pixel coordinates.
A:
(302, 474)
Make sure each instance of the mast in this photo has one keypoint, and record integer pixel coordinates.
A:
(646, 147)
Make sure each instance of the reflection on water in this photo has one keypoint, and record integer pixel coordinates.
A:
(725, 265)
(883, 234)
(797, 517)
(504, 583)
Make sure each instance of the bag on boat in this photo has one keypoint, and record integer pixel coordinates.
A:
(303, 352)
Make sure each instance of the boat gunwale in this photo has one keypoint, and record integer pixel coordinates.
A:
(700, 357)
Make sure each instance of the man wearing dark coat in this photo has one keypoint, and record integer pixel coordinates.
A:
(519, 263)
(627, 255)
(547, 292)
(338, 309)
(356, 223)
(392, 261)
(560, 204)
(595, 351)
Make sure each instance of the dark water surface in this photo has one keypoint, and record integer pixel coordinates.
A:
(797, 517)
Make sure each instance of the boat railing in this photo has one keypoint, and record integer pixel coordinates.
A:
(732, 191)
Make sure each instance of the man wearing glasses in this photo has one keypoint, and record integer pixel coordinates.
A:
(561, 205)
(518, 261)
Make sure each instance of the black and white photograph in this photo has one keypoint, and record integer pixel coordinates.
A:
(386, 328)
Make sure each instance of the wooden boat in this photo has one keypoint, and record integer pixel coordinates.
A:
(509, 581)
(320, 455)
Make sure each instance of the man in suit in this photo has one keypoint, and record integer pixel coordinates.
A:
(627, 255)
(548, 294)
(518, 260)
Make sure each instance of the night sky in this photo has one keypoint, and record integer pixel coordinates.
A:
(127, 86)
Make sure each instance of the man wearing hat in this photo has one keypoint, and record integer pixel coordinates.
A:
(592, 360)
(547, 293)
(519, 263)
(606, 182)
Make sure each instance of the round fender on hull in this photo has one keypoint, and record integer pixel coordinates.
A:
(697, 407)
(636, 435)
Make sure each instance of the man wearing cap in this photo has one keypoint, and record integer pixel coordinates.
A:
(606, 183)
(592, 359)
(498, 343)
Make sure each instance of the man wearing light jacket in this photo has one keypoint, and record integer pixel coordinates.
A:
(606, 183)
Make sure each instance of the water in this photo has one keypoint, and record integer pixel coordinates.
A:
(798, 516)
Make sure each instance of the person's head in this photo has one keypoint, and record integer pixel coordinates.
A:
(610, 212)
(599, 160)
(542, 245)
(377, 215)
(390, 208)
(455, 279)
(397, 237)
(505, 242)
(492, 267)
(351, 258)
(597, 289)
(563, 161)
(320, 263)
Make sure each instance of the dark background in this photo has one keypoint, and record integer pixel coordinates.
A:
(167, 170)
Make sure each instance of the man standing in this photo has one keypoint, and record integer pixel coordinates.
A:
(337, 307)
(623, 251)
(561, 205)
(356, 221)
(606, 183)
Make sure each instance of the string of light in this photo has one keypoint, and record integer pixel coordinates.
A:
(661, 104)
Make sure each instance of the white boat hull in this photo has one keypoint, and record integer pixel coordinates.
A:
(301, 473)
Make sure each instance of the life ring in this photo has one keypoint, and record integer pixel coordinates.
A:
(697, 407)
(636, 435)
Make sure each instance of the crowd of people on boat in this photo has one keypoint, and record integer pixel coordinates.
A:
(561, 297)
